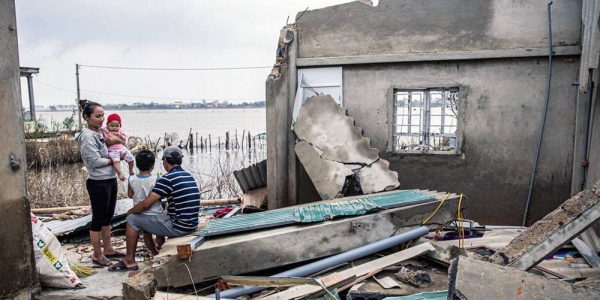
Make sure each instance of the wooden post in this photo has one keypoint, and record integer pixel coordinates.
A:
(249, 141)
(243, 135)
(209, 144)
(227, 140)
(219, 139)
(201, 144)
(237, 146)
(196, 140)
(191, 141)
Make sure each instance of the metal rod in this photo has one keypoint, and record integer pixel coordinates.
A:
(334, 260)
(539, 146)
(584, 161)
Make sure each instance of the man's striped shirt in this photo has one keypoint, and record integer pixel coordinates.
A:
(183, 197)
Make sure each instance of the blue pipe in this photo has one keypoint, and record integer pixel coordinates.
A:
(333, 260)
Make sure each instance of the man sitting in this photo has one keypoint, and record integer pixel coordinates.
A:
(183, 200)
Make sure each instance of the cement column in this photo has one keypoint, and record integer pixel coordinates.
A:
(31, 100)
(292, 79)
(277, 93)
(16, 257)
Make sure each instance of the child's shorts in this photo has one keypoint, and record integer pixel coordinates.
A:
(115, 155)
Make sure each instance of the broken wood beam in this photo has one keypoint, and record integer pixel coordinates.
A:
(590, 256)
(53, 210)
(277, 247)
(214, 202)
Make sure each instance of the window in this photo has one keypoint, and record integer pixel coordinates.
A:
(425, 120)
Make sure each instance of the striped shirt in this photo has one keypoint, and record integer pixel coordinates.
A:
(183, 197)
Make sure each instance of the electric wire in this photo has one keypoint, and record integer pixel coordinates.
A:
(177, 69)
(147, 97)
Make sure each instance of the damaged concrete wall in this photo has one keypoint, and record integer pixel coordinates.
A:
(494, 52)
(432, 26)
(332, 150)
(16, 257)
(500, 112)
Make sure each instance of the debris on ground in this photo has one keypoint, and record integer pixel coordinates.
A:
(552, 232)
(140, 286)
(416, 278)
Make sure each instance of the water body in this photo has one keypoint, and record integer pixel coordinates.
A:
(212, 170)
(155, 123)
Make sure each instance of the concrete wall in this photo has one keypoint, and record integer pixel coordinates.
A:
(501, 107)
(16, 254)
(593, 172)
(433, 26)
(501, 72)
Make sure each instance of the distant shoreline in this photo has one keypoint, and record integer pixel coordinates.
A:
(116, 107)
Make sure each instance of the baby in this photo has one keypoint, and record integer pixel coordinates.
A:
(113, 127)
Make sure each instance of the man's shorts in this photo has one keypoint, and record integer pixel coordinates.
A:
(160, 225)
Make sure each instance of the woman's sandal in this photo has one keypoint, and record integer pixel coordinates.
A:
(121, 267)
(104, 262)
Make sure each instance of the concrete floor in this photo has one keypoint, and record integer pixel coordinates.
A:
(100, 285)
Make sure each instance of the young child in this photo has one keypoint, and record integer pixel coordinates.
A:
(113, 127)
(139, 188)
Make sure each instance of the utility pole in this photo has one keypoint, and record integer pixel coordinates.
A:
(78, 94)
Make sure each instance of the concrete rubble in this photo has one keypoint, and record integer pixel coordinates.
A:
(552, 232)
(474, 279)
(332, 150)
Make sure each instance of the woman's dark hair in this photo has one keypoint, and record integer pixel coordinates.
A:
(173, 161)
(87, 107)
(144, 160)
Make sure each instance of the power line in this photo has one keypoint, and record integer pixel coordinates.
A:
(149, 97)
(178, 69)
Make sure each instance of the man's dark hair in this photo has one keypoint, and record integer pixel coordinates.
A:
(174, 161)
(144, 160)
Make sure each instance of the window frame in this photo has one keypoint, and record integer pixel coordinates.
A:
(425, 121)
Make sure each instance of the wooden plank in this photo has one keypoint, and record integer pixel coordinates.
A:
(265, 281)
(358, 271)
(590, 256)
(387, 282)
(590, 237)
(171, 296)
(557, 239)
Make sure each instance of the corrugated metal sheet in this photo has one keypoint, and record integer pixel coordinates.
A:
(252, 177)
(590, 45)
(60, 227)
(328, 211)
(314, 213)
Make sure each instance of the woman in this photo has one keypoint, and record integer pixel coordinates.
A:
(101, 183)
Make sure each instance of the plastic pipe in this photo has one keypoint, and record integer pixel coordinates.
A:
(539, 146)
(333, 260)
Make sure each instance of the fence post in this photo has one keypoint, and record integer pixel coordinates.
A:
(249, 141)
(227, 140)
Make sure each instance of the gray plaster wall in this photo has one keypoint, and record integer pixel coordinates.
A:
(433, 26)
(501, 107)
(593, 172)
(16, 254)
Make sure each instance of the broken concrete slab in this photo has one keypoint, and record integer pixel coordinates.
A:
(140, 286)
(551, 233)
(329, 177)
(338, 148)
(473, 279)
(236, 254)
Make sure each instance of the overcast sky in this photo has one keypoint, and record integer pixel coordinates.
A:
(55, 35)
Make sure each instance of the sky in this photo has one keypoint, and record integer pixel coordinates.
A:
(56, 35)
